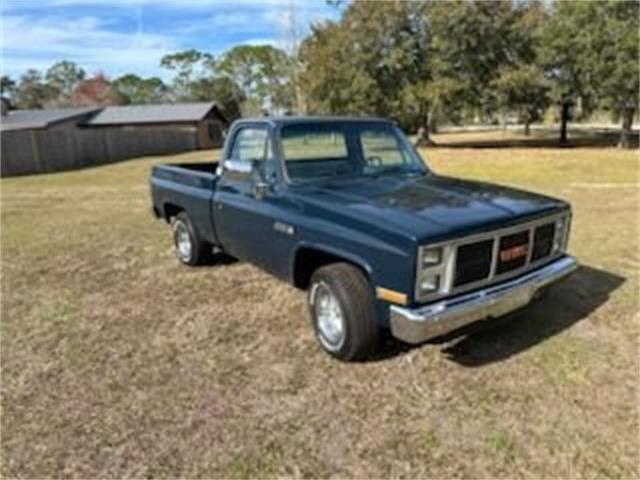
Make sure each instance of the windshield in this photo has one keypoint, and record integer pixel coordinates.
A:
(320, 150)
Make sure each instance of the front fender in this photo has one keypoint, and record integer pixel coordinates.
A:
(386, 266)
(331, 250)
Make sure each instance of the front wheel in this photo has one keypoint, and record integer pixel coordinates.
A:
(342, 310)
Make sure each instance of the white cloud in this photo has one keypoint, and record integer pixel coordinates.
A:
(231, 19)
(120, 36)
(262, 41)
(239, 21)
(210, 5)
(88, 41)
(17, 5)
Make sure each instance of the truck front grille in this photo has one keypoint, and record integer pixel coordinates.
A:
(517, 248)
(473, 262)
(543, 241)
(513, 251)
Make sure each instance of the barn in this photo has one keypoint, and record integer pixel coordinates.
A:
(203, 121)
(38, 141)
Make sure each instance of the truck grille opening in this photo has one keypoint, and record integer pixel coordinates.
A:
(473, 262)
(512, 252)
(543, 241)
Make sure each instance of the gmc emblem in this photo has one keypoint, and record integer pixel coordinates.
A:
(513, 253)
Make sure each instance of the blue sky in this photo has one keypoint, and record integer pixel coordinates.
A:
(120, 36)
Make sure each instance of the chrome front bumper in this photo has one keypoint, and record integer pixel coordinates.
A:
(441, 317)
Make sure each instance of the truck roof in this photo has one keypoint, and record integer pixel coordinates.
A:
(291, 120)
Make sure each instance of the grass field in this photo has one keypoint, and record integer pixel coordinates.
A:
(119, 362)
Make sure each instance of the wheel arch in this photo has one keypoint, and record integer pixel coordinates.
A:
(307, 258)
(170, 210)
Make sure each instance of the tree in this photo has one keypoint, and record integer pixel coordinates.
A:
(96, 91)
(520, 84)
(262, 74)
(188, 65)
(590, 51)
(222, 90)
(617, 68)
(523, 89)
(331, 81)
(140, 90)
(566, 53)
(392, 43)
(472, 43)
(432, 97)
(370, 62)
(416, 61)
(7, 87)
(63, 76)
(32, 92)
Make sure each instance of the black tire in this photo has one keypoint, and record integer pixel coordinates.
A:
(349, 286)
(199, 252)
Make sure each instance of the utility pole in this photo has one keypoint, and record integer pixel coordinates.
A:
(292, 46)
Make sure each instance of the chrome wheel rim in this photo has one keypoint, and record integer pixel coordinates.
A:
(183, 241)
(329, 317)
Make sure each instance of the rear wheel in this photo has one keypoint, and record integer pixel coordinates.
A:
(342, 310)
(189, 247)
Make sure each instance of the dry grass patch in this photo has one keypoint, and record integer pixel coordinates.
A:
(118, 362)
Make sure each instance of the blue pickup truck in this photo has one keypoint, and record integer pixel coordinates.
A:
(346, 209)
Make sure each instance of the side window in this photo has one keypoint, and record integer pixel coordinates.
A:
(249, 144)
(381, 145)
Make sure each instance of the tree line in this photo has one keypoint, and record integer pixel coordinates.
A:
(459, 61)
(245, 80)
(420, 63)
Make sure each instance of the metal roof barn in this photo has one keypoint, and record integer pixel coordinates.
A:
(147, 114)
(38, 141)
(28, 119)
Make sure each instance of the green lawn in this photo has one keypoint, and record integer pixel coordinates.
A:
(119, 362)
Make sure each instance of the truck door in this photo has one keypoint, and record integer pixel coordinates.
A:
(244, 217)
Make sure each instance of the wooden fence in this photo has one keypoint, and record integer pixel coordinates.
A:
(69, 147)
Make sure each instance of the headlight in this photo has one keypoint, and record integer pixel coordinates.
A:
(431, 257)
(431, 270)
(429, 284)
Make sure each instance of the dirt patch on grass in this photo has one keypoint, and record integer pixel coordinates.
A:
(118, 362)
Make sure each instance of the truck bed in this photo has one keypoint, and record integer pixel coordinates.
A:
(196, 174)
(186, 187)
(207, 167)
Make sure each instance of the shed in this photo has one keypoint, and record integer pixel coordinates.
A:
(6, 105)
(34, 141)
(37, 141)
(203, 119)
(40, 119)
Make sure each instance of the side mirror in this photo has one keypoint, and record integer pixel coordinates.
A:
(236, 170)
(260, 185)
(249, 172)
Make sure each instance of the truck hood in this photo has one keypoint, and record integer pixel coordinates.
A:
(429, 206)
